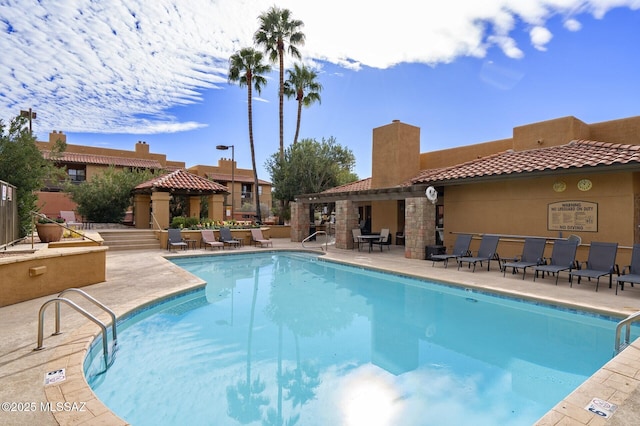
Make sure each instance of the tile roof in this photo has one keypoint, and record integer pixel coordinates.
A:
(107, 160)
(359, 185)
(181, 180)
(226, 177)
(575, 154)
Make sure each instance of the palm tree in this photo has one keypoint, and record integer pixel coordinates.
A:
(277, 30)
(246, 69)
(303, 85)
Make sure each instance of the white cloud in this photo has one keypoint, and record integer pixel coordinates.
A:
(572, 25)
(540, 36)
(99, 66)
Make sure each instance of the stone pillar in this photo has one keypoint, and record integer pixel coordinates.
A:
(299, 221)
(216, 207)
(420, 226)
(160, 209)
(141, 211)
(194, 206)
(346, 220)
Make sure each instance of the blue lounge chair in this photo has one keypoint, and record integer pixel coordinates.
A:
(487, 252)
(460, 248)
(601, 261)
(532, 255)
(630, 273)
(563, 257)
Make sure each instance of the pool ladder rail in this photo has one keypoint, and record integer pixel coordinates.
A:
(621, 345)
(85, 313)
(326, 240)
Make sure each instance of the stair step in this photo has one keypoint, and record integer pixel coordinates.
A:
(130, 239)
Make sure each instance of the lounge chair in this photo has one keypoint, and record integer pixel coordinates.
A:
(601, 261)
(258, 238)
(175, 239)
(532, 255)
(385, 239)
(209, 240)
(227, 239)
(630, 273)
(70, 219)
(563, 257)
(356, 232)
(460, 248)
(487, 252)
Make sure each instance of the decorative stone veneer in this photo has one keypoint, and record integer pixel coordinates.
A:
(299, 221)
(346, 220)
(420, 226)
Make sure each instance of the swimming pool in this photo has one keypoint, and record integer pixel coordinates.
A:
(277, 337)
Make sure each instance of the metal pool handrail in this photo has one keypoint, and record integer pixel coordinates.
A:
(619, 346)
(326, 239)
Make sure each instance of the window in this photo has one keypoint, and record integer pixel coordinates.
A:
(76, 174)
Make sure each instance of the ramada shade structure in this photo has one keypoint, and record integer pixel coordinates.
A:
(157, 192)
(180, 182)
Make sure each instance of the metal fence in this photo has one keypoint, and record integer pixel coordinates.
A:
(9, 222)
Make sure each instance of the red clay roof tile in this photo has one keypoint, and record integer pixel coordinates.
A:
(182, 180)
(78, 158)
(575, 154)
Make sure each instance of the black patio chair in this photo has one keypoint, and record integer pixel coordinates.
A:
(175, 239)
(630, 273)
(563, 258)
(532, 255)
(487, 252)
(460, 248)
(601, 261)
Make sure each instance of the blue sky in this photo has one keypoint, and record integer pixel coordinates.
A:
(112, 73)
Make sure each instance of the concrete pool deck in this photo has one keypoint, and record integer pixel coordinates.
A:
(138, 277)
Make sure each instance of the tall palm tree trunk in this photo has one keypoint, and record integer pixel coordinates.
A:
(281, 97)
(295, 138)
(253, 153)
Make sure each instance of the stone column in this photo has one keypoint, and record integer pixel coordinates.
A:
(346, 220)
(420, 226)
(141, 211)
(299, 221)
(160, 209)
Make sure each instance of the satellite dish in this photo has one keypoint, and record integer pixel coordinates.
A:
(432, 194)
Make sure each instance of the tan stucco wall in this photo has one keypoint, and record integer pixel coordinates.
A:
(384, 214)
(554, 132)
(49, 271)
(626, 131)
(519, 207)
(395, 154)
(459, 155)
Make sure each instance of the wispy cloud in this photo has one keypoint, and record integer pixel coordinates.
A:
(99, 66)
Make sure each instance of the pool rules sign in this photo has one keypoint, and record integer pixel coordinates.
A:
(572, 216)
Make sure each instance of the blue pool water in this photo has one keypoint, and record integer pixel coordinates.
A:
(285, 338)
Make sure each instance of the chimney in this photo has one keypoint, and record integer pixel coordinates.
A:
(142, 148)
(55, 136)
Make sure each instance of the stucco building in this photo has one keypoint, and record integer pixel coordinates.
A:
(82, 162)
(550, 179)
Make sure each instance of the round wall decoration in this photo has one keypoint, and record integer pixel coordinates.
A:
(559, 186)
(584, 185)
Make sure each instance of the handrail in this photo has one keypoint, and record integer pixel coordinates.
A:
(114, 335)
(86, 314)
(326, 240)
(619, 346)
(42, 216)
(155, 221)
